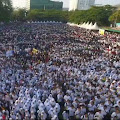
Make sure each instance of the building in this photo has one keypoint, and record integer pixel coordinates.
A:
(46, 4)
(107, 2)
(28, 4)
(98, 5)
(73, 5)
(21, 4)
(85, 4)
(37, 4)
(65, 9)
(81, 4)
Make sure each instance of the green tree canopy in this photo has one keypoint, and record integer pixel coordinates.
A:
(48, 15)
(115, 17)
(19, 15)
(102, 15)
(95, 14)
(5, 10)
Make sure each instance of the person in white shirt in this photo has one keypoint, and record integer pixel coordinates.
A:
(71, 112)
(78, 113)
(57, 108)
(65, 115)
(55, 117)
(91, 115)
(43, 115)
(91, 106)
(60, 97)
(118, 114)
(85, 117)
(98, 115)
(33, 116)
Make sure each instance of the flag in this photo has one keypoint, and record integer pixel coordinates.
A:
(35, 51)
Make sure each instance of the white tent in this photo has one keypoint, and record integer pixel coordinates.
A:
(95, 27)
(77, 25)
(83, 25)
(90, 25)
(86, 25)
(68, 23)
(80, 24)
(72, 24)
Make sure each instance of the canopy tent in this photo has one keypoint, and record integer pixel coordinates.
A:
(83, 25)
(95, 27)
(90, 25)
(72, 24)
(80, 25)
(86, 25)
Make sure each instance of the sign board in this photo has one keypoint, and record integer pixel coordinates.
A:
(101, 31)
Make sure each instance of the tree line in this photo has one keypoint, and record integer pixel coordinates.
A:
(103, 15)
(5, 10)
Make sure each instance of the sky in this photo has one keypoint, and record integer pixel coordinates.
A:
(66, 2)
(112, 2)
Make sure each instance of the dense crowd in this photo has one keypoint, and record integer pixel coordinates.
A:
(58, 72)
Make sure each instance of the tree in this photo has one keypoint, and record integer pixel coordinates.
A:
(48, 15)
(94, 14)
(5, 10)
(115, 17)
(19, 15)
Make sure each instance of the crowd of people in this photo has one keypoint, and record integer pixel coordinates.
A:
(53, 71)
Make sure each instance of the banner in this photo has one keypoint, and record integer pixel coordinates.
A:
(101, 31)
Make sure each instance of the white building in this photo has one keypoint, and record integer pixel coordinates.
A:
(81, 4)
(28, 4)
(73, 5)
(21, 4)
(107, 2)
